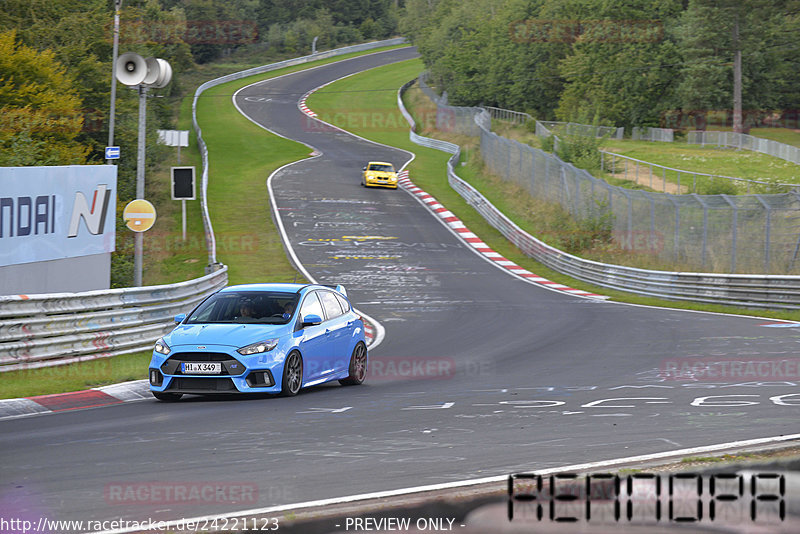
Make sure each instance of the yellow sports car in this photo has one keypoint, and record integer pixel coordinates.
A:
(379, 173)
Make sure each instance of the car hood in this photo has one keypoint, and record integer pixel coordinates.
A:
(232, 335)
(381, 174)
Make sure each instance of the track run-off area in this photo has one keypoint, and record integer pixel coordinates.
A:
(480, 374)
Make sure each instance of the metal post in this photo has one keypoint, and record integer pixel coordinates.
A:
(183, 200)
(767, 229)
(705, 229)
(508, 161)
(630, 220)
(547, 177)
(114, 54)
(734, 224)
(138, 244)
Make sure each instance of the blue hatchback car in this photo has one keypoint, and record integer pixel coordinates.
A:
(261, 338)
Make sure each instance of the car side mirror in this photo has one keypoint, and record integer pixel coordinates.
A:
(179, 318)
(363, 168)
(311, 320)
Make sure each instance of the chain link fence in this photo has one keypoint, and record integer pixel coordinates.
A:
(583, 130)
(663, 135)
(748, 142)
(673, 180)
(718, 233)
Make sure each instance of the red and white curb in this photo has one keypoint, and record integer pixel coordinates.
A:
(75, 400)
(136, 390)
(303, 107)
(476, 243)
(369, 333)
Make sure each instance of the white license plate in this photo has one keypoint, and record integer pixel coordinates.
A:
(202, 368)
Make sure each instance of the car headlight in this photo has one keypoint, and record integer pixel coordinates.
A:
(161, 347)
(257, 348)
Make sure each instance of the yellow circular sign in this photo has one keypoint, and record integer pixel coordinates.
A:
(139, 215)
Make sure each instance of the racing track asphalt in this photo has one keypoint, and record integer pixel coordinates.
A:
(522, 377)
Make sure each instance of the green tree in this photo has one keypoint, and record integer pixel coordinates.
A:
(621, 69)
(767, 38)
(40, 111)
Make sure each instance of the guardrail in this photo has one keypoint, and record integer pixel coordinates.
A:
(749, 290)
(209, 230)
(60, 328)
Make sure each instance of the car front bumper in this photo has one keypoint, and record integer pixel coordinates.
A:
(374, 181)
(239, 374)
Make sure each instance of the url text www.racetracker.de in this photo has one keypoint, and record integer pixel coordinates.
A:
(19, 525)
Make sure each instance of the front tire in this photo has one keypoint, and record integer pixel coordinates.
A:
(292, 375)
(358, 366)
(167, 397)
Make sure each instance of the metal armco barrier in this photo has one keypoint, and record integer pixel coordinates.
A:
(748, 290)
(209, 231)
(56, 329)
(61, 328)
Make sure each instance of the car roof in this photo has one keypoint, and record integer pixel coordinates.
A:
(379, 163)
(286, 288)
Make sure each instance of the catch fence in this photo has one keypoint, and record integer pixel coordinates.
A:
(755, 233)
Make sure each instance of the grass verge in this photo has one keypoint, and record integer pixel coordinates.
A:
(241, 157)
(74, 376)
(428, 172)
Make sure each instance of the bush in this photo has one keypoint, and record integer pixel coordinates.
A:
(719, 186)
(583, 152)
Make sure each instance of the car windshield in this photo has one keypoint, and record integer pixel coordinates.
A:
(259, 307)
(381, 167)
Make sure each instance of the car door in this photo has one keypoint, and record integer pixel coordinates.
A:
(337, 330)
(314, 339)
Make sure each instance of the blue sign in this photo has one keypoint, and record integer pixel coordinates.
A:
(112, 152)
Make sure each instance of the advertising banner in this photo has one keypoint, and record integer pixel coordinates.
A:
(50, 213)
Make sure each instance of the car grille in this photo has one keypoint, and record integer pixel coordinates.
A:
(230, 365)
(209, 385)
(200, 357)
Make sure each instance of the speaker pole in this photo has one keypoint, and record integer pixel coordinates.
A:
(138, 244)
(112, 112)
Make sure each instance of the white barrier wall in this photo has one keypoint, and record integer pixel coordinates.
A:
(57, 228)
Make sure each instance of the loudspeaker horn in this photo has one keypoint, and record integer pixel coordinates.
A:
(165, 74)
(152, 71)
(130, 69)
